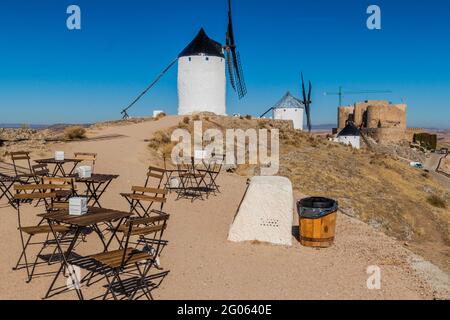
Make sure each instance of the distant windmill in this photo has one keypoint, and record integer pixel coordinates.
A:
(201, 74)
(307, 102)
(290, 102)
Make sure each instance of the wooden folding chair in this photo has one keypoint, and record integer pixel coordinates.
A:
(86, 157)
(127, 269)
(142, 199)
(190, 181)
(29, 193)
(22, 166)
(152, 191)
(211, 172)
(64, 187)
(169, 174)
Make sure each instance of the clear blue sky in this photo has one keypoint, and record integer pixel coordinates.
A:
(50, 74)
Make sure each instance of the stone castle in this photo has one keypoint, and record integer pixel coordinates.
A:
(378, 119)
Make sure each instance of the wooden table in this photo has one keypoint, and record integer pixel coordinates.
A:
(59, 165)
(96, 185)
(92, 219)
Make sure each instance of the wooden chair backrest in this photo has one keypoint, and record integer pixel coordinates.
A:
(158, 195)
(85, 156)
(144, 227)
(218, 161)
(155, 173)
(57, 183)
(21, 156)
(40, 170)
(32, 192)
(58, 205)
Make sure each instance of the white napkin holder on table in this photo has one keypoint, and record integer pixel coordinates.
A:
(201, 154)
(84, 171)
(59, 155)
(77, 206)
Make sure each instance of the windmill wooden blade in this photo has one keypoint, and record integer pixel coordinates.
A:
(230, 69)
(308, 109)
(303, 89)
(309, 92)
(234, 60)
(307, 101)
(240, 82)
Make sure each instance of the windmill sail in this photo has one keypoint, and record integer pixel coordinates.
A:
(307, 102)
(233, 59)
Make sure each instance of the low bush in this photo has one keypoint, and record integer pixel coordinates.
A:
(437, 201)
(74, 133)
(160, 116)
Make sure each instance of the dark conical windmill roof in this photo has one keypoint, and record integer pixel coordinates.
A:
(349, 130)
(202, 45)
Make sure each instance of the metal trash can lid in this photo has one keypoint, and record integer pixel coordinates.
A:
(316, 207)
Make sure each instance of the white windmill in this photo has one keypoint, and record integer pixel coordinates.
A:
(201, 74)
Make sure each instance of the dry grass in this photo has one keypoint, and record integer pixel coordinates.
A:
(74, 133)
(160, 116)
(375, 187)
(437, 201)
(161, 142)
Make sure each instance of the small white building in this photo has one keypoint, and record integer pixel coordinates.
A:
(201, 77)
(350, 135)
(289, 108)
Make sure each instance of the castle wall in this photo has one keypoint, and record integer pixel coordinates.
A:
(384, 122)
(388, 116)
(344, 113)
(361, 110)
(386, 135)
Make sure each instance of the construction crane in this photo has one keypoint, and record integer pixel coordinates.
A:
(342, 93)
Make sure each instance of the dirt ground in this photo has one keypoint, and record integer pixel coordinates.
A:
(204, 265)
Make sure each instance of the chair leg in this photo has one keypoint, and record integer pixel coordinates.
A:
(24, 247)
(37, 258)
(22, 254)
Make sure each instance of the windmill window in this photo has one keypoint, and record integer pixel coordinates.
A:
(190, 59)
(207, 58)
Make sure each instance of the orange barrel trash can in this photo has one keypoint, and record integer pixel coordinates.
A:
(317, 221)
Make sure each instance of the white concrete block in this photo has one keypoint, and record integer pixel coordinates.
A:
(266, 212)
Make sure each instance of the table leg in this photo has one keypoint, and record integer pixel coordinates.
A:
(61, 169)
(73, 169)
(65, 263)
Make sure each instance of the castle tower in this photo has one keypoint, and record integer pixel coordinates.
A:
(201, 77)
